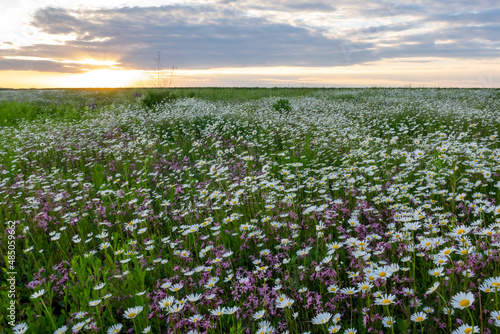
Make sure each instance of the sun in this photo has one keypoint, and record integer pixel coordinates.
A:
(104, 78)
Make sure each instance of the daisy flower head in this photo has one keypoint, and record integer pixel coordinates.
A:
(432, 288)
(495, 315)
(166, 285)
(350, 331)
(388, 321)
(261, 330)
(94, 302)
(230, 310)
(115, 329)
(217, 312)
(259, 314)
(146, 330)
(462, 300)
(333, 288)
(436, 272)
(418, 316)
(321, 318)
(428, 309)
(448, 311)
(466, 329)
(408, 291)
(76, 328)
(365, 286)
(285, 302)
(175, 308)
(132, 312)
(61, 330)
(195, 318)
(334, 329)
(167, 301)
(20, 328)
(485, 287)
(176, 287)
(385, 299)
(493, 282)
(349, 291)
(383, 272)
(38, 294)
(265, 327)
(194, 297)
(99, 286)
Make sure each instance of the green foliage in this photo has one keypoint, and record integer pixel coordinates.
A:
(282, 106)
(156, 97)
(237, 329)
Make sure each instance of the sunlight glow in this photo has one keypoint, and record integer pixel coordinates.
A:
(103, 79)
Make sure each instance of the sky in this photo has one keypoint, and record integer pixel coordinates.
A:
(279, 43)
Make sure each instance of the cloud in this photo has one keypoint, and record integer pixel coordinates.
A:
(189, 37)
(229, 33)
(38, 65)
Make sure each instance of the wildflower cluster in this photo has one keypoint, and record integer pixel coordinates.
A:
(374, 214)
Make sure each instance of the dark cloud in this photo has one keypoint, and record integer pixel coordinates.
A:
(37, 65)
(61, 21)
(189, 37)
(47, 66)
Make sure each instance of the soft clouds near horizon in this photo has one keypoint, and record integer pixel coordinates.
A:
(70, 37)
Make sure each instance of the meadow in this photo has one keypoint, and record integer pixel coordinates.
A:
(250, 211)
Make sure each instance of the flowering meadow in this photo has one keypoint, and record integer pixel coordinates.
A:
(348, 211)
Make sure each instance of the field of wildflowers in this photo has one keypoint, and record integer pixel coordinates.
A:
(348, 211)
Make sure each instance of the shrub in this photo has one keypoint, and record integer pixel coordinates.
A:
(154, 97)
(282, 106)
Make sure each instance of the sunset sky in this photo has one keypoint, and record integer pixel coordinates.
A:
(287, 43)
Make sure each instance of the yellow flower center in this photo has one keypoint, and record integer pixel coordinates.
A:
(382, 274)
(495, 284)
(420, 319)
(388, 322)
(468, 330)
(386, 301)
(461, 231)
(131, 315)
(464, 303)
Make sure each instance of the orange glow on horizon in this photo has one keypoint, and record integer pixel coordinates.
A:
(402, 72)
